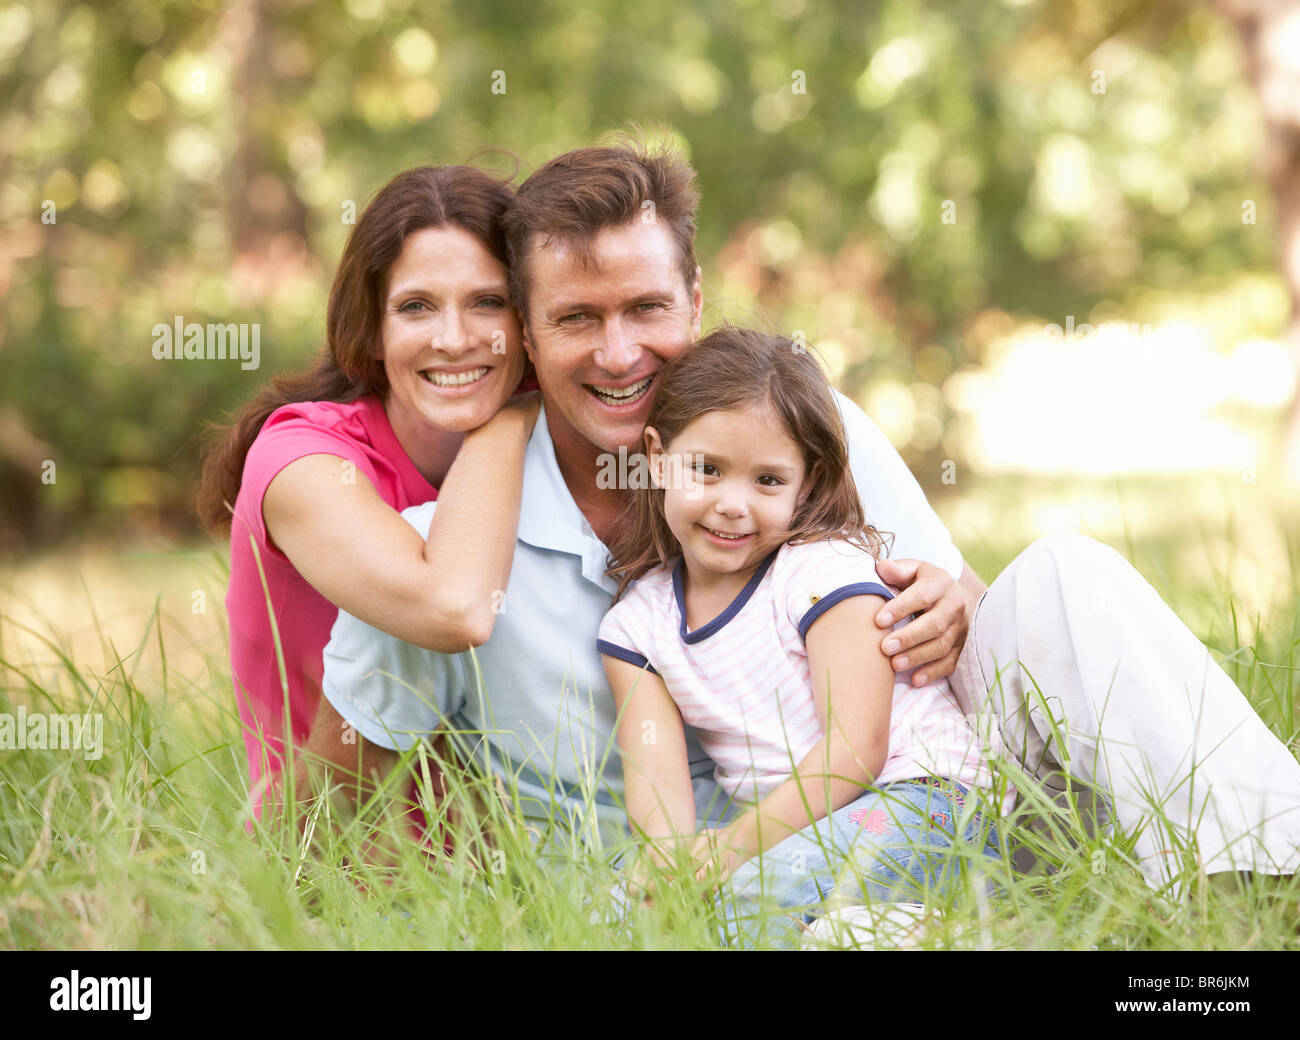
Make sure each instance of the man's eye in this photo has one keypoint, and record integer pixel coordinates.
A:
(571, 319)
(645, 308)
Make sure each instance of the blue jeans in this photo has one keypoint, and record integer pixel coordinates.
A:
(892, 844)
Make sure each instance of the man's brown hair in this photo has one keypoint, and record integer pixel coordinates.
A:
(581, 193)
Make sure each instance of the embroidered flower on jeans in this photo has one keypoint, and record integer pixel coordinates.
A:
(872, 820)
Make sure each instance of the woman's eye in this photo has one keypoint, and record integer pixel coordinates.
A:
(492, 302)
(411, 305)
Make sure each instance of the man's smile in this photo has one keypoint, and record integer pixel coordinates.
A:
(621, 396)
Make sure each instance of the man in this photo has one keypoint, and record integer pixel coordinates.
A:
(604, 277)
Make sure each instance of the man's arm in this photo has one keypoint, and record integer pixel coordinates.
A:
(927, 567)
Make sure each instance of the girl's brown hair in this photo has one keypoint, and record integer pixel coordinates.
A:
(740, 368)
(425, 197)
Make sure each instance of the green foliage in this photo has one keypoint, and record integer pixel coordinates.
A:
(200, 157)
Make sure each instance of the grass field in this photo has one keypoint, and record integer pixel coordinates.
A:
(146, 845)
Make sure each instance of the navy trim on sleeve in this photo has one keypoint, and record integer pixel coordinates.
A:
(862, 588)
(604, 646)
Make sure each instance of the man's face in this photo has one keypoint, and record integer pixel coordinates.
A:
(599, 332)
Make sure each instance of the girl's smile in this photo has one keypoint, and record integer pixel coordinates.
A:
(744, 480)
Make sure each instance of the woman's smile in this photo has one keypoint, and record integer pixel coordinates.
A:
(456, 382)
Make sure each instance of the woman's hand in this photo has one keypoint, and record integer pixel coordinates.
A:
(525, 406)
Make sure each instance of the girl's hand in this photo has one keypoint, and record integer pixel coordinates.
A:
(640, 882)
(715, 857)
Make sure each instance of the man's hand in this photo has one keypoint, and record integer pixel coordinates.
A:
(932, 642)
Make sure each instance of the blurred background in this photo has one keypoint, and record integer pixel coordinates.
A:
(1053, 249)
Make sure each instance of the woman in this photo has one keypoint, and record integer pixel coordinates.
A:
(424, 350)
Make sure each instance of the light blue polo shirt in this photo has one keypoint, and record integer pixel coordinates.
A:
(535, 695)
(536, 690)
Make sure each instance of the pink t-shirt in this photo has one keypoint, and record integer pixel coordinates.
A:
(359, 433)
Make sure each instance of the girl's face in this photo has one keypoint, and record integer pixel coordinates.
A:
(451, 344)
(732, 480)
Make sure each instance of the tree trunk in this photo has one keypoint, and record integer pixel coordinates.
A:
(1270, 33)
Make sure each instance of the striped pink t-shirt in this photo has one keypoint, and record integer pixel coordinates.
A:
(743, 681)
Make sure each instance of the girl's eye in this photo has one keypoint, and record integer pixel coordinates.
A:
(767, 480)
(705, 469)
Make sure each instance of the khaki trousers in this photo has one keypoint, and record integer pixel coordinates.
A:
(1082, 668)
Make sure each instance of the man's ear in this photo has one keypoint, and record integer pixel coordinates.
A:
(528, 344)
(697, 304)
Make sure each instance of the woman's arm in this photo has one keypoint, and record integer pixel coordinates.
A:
(657, 787)
(853, 686)
(357, 551)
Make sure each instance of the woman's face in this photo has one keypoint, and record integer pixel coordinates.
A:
(451, 344)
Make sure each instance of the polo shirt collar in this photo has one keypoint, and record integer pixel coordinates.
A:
(549, 518)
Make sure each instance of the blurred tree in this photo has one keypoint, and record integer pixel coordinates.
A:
(1270, 35)
(898, 181)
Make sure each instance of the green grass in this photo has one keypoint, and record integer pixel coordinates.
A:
(146, 847)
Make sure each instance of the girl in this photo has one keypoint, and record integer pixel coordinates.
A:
(751, 620)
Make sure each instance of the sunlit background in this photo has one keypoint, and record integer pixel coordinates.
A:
(1041, 244)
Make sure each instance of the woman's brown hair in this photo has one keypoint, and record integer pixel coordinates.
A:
(740, 368)
(425, 197)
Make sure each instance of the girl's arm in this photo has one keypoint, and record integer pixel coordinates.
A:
(442, 594)
(853, 685)
(652, 743)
